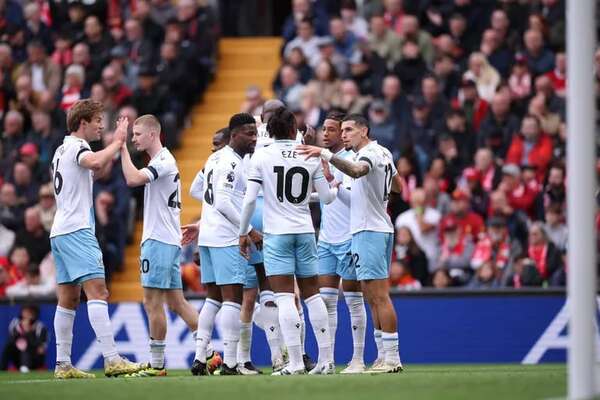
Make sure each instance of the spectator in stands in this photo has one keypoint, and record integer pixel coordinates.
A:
(485, 76)
(327, 85)
(345, 41)
(539, 58)
(118, 93)
(352, 20)
(471, 224)
(36, 29)
(383, 41)
(420, 132)
(328, 52)
(394, 14)
(303, 9)
(351, 101)
(5, 279)
(106, 223)
(72, 89)
(162, 11)
(13, 138)
(412, 31)
(558, 76)
(555, 104)
(45, 74)
(32, 286)
(152, 29)
(456, 251)
(549, 121)
(382, 127)
(173, 73)
(423, 222)
(516, 220)
(33, 236)
(139, 48)
(411, 68)
(313, 113)
(46, 206)
(473, 106)
(441, 279)
(46, 137)
(99, 42)
(63, 51)
(435, 185)
(29, 155)
(459, 130)
(447, 74)
(496, 248)
(401, 278)
(411, 257)
(93, 70)
(11, 211)
(306, 41)
(27, 341)
(555, 191)
(497, 129)
(253, 101)
(498, 55)
(291, 88)
(531, 146)
(519, 81)
(520, 196)
(395, 98)
(544, 254)
(25, 186)
(555, 226)
(438, 105)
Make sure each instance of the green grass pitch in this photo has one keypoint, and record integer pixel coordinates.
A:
(416, 382)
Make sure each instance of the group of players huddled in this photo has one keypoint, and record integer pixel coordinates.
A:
(255, 234)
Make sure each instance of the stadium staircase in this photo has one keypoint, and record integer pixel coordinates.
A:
(242, 62)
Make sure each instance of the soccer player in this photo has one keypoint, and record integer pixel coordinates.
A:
(334, 249)
(161, 238)
(290, 247)
(223, 268)
(75, 249)
(375, 176)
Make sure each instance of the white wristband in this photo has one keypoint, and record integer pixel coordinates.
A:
(326, 155)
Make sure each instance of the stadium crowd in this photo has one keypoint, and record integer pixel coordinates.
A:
(469, 97)
(141, 57)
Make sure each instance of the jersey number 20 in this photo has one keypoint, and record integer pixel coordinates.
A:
(174, 197)
(284, 184)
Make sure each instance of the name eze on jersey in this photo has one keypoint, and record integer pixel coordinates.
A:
(289, 154)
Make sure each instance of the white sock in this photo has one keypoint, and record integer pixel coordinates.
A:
(206, 323)
(289, 321)
(330, 298)
(358, 323)
(245, 343)
(230, 321)
(302, 328)
(390, 347)
(63, 329)
(379, 344)
(98, 316)
(157, 352)
(269, 316)
(317, 312)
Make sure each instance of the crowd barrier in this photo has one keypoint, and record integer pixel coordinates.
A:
(434, 327)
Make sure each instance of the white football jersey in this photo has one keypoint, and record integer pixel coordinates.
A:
(286, 179)
(335, 224)
(162, 200)
(223, 176)
(72, 188)
(370, 193)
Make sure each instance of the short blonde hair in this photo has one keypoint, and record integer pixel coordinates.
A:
(148, 121)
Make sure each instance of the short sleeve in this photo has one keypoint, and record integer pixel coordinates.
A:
(157, 169)
(254, 171)
(369, 157)
(84, 148)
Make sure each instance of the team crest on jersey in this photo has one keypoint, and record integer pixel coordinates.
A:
(230, 176)
(233, 164)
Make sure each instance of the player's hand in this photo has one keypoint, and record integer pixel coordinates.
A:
(310, 136)
(245, 246)
(309, 151)
(122, 129)
(327, 171)
(256, 238)
(189, 234)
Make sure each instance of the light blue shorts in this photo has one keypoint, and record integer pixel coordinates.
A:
(77, 257)
(336, 259)
(256, 256)
(291, 254)
(159, 265)
(372, 254)
(222, 265)
(251, 278)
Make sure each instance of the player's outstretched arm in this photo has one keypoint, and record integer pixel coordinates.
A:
(326, 193)
(352, 169)
(189, 233)
(97, 160)
(133, 176)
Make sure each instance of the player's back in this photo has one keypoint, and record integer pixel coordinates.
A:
(370, 193)
(72, 188)
(223, 172)
(162, 200)
(286, 179)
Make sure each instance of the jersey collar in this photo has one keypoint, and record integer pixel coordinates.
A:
(159, 153)
(230, 149)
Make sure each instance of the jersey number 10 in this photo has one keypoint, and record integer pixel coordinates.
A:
(284, 184)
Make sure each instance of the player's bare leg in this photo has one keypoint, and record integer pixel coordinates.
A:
(383, 309)
(180, 306)
(358, 322)
(154, 300)
(317, 312)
